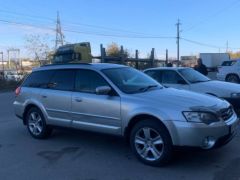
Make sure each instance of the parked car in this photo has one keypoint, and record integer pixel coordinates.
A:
(120, 100)
(192, 80)
(12, 76)
(229, 71)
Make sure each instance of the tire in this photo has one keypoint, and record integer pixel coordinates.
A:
(151, 143)
(36, 124)
(233, 78)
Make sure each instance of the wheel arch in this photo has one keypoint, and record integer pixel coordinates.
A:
(229, 74)
(28, 107)
(137, 118)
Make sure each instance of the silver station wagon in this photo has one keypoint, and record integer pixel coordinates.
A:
(120, 100)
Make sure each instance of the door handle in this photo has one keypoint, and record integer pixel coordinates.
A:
(78, 99)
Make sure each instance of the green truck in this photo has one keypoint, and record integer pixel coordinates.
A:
(73, 53)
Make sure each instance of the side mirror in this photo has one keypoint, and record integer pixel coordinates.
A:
(103, 90)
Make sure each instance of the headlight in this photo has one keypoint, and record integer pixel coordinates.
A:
(235, 95)
(200, 117)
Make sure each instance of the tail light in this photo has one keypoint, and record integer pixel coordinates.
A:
(18, 91)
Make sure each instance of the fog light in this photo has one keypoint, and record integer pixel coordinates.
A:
(208, 142)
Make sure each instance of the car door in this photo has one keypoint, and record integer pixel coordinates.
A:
(57, 97)
(171, 78)
(91, 111)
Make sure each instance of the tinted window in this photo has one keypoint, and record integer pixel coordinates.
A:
(63, 58)
(63, 80)
(228, 63)
(38, 79)
(88, 81)
(172, 77)
(157, 75)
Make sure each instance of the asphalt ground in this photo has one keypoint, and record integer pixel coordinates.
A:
(78, 155)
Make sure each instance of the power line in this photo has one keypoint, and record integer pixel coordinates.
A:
(201, 44)
(76, 24)
(86, 32)
(212, 16)
(112, 35)
(207, 45)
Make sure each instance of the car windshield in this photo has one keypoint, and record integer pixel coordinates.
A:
(193, 76)
(130, 80)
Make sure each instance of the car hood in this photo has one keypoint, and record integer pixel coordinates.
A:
(219, 88)
(170, 97)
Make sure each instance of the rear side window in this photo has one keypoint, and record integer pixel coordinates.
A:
(63, 80)
(87, 81)
(157, 75)
(38, 79)
(171, 77)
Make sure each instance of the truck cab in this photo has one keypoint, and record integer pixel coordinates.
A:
(73, 53)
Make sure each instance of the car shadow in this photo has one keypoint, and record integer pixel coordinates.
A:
(118, 146)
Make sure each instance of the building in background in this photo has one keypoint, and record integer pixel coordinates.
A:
(188, 61)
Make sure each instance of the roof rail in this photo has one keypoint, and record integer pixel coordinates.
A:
(66, 64)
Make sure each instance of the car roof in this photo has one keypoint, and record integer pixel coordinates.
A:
(234, 60)
(167, 68)
(94, 66)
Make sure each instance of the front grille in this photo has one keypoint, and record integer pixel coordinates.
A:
(226, 113)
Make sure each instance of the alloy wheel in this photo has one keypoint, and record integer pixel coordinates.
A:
(149, 144)
(35, 123)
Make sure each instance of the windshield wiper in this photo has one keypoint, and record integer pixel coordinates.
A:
(200, 81)
(143, 89)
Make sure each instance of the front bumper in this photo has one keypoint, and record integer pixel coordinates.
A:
(198, 134)
(225, 139)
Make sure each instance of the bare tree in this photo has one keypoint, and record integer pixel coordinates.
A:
(38, 46)
(114, 50)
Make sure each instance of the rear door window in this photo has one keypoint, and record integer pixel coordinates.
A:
(63, 80)
(155, 74)
(38, 79)
(172, 77)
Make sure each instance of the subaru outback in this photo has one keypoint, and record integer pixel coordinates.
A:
(120, 100)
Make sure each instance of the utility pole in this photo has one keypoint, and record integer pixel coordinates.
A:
(178, 39)
(227, 46)
(166, 62)
(59, 35)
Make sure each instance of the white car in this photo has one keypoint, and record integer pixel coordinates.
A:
(12, 76)
(229, 71)
(189, 79)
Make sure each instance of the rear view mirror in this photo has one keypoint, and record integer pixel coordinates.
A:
(103, 90)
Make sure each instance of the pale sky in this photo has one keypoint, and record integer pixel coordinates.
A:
(132, 23)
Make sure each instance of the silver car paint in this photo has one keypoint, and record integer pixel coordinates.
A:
(112, 114)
